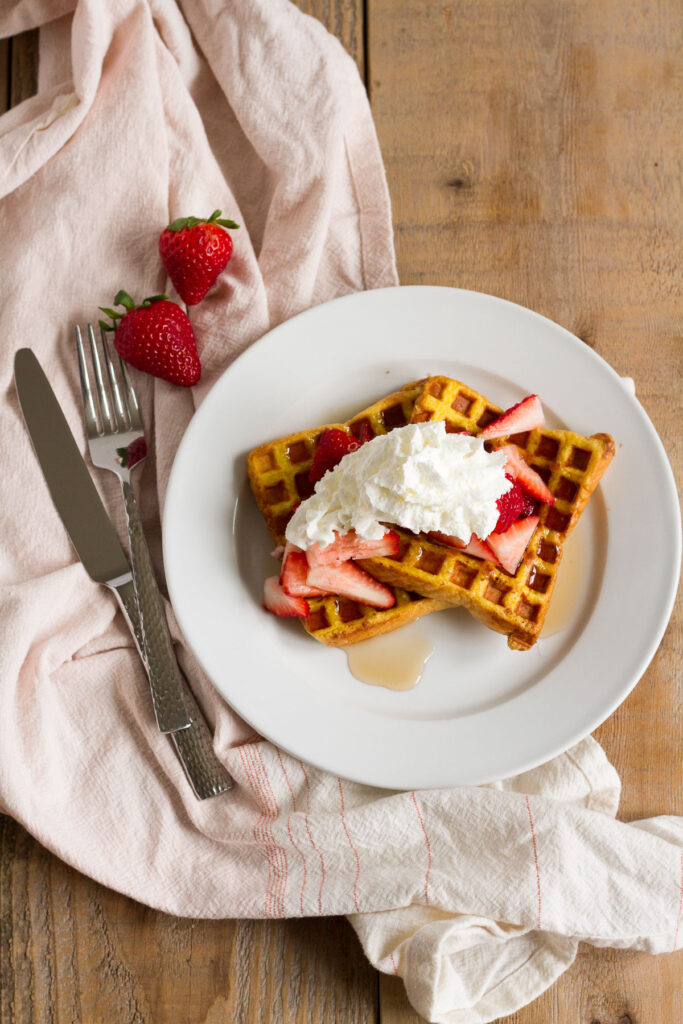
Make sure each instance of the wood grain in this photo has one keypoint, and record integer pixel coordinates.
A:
(529, 154)
(73, 952)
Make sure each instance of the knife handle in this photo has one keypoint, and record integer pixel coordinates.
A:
(155, 639)
(194, 745)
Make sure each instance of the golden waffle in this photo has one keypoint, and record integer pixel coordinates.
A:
(278, 474)
(571, 465)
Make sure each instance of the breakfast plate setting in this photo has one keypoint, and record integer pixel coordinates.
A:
(480, 711)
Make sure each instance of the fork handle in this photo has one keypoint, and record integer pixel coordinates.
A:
(194, 745)
(157, 649)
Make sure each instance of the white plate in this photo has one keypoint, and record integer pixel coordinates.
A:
(481, 712)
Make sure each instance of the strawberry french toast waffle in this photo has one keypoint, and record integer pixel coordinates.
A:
(365, 548)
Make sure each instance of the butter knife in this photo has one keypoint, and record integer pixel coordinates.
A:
(97, 545)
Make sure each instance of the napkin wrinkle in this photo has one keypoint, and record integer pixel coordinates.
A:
(477, 897)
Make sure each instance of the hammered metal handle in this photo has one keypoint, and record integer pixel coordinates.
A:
(194, 745)
(164, 675)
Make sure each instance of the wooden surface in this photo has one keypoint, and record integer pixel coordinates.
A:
(531, 153)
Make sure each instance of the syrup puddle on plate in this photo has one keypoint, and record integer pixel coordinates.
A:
(573, 575)
(394, 660)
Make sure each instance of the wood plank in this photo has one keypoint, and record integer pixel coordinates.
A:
(71, 950)
(5, 47)
(528, 155)
(24, 67)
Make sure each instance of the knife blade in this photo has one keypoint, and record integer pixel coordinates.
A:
(96, 542)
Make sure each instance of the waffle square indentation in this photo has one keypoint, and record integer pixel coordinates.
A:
(547, 447)
(304, 487)
(462, 403)
(488, 416)
(463, 576)
(579, 458)
(298, 452)
(363, 426)
(435, 388)
(429, 561)
(543, 471)
(348, 610)
(521, 440)
(394, 416)
(548, 551)
(558, 521)
(265, 461)
(276, 493)
(566, 489)
(495, 592)
(527, 610)
(401, 553)
(317, 620)
(538, 580)
(280, 522)
(454, 428)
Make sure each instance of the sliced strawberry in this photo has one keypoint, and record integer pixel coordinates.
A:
(350, 545)
(527, 477)
(333, 445)
(511, 545)
(293, 578)
(349, 580)
(275, 600)
(529, 507)
(525, 415)
(509, 506)
(474, 546)
(278, 552)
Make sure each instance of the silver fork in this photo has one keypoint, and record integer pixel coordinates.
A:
(116, 441)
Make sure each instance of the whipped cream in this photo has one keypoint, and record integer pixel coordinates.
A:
(418, 477)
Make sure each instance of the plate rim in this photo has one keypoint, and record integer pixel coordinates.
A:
(252, 352)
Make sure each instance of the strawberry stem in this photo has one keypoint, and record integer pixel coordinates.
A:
(180, 223)
(123, 299)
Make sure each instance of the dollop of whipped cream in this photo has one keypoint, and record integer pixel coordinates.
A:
(418, 477)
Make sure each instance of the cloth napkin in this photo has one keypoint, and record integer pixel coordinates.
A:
(476, 897)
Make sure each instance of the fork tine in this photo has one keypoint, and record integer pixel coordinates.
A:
(131, 398)
(119, 408)
(108, 422)
(89, 411)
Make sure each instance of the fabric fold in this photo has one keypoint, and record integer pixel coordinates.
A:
(476, 897)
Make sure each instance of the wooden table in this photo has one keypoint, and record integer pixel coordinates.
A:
(529, 147)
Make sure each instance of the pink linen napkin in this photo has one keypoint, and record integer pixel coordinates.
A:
(146, 110)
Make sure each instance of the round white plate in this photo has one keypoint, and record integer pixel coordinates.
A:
(481, 712)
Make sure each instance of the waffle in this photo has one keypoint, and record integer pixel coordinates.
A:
(571, 465)
(278, 474)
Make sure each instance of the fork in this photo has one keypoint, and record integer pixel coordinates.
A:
(116, 441)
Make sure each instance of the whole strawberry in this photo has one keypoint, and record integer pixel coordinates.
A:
(195, 252)
(155, 337)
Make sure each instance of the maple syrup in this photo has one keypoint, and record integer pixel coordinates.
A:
(394, 660)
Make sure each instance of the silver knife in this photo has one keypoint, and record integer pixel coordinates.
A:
(97, 545)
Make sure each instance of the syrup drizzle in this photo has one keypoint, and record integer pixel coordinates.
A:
(394, 660)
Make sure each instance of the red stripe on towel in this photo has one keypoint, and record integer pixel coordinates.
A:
(278, 852)
(310, 836)
(538, 873)
(258, 833)
(355, 851)
(429, 849)
(289, 833)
